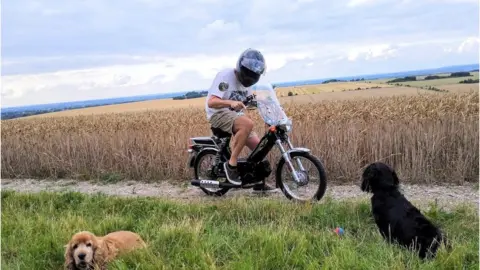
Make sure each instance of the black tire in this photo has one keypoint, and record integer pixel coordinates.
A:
(199, 157)
(319, 166)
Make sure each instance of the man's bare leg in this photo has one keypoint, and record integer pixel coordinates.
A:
(252, 142)
(241, 128)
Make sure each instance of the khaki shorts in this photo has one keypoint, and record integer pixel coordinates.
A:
(224, 121)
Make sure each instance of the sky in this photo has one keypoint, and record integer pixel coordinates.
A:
(57, 51)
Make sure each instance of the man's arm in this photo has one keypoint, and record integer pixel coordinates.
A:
(217, 103)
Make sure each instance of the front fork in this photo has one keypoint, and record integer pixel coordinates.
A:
(299, 163)
(285, 155)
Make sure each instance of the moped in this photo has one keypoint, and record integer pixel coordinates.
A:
(255, 167)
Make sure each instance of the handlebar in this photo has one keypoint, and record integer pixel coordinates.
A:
(248, 100)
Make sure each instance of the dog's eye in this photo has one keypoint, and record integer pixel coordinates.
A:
(75, 246)
(89, 244)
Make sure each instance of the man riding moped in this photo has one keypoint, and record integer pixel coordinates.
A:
(230, 87)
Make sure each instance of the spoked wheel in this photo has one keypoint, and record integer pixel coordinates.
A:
(203, 166)
(313, 180)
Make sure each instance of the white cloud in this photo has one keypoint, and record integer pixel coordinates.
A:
(219, 29)
(470, 44)
(164, 71)
(371, 52)
(355, 3)
(58, 51)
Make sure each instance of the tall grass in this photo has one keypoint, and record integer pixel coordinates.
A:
(228, 234)
(427, 138)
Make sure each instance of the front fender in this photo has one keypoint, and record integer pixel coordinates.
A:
(294, 150)
(298, 150)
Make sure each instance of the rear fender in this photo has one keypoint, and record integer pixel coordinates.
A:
(208, 148)
(191, 158)
(203, 141)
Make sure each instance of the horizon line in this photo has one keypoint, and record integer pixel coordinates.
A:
(284, 82)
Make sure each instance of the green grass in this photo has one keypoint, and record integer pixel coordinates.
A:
(222, 234)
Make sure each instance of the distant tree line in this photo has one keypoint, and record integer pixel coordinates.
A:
(337, 80)
(434, 77)
(404, 79)
(431, 77)
(469, 81)
(29, 112)
(460, 74)
(12, 115)
(452, 75)
(192, 94)
(332, 80)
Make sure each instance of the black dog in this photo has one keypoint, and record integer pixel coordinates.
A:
(396, 218)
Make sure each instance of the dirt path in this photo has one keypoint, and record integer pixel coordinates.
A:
(444, 196)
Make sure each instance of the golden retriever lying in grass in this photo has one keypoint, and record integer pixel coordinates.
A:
(88, 251)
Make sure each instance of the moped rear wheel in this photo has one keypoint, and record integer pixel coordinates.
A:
(204, 173)
(317, 185)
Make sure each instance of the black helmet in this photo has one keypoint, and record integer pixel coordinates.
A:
(250, 66)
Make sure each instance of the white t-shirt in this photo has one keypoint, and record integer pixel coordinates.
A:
(226, 86)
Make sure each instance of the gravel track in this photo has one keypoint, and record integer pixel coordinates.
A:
(421, 195)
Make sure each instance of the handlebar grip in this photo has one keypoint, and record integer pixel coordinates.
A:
(245, 102)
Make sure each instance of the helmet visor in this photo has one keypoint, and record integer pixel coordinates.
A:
(253, 64)
(248, 77)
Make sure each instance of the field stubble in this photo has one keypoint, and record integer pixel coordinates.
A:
(427, 138)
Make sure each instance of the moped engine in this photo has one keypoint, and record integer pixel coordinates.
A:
(263, 169)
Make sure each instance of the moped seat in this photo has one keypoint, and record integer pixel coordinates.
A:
(220, 133)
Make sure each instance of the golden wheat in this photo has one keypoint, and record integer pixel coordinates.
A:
(426, 137)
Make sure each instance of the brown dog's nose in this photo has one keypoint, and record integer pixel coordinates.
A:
(81, 256)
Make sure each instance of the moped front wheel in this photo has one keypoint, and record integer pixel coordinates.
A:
(204, 173)
(307, 188)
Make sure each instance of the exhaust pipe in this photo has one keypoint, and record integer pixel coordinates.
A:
(212, 184)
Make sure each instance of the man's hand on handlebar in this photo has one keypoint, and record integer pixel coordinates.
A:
(237, 105)
(251, 102)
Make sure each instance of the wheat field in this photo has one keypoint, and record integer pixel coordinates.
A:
(282, 93)
(427, 138)
(329, 87)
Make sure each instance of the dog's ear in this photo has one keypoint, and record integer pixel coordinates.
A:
(365, 186)
(367, 175)
(396, 181)
(69, 261)
(103, 251)
(389, 180)
(98, 254)
(379, 176)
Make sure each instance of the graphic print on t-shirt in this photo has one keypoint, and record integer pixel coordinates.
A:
(226, 87)
(238, 95)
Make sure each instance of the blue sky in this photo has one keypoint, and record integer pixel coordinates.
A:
(55, 51)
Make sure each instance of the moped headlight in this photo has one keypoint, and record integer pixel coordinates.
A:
(286, 125)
